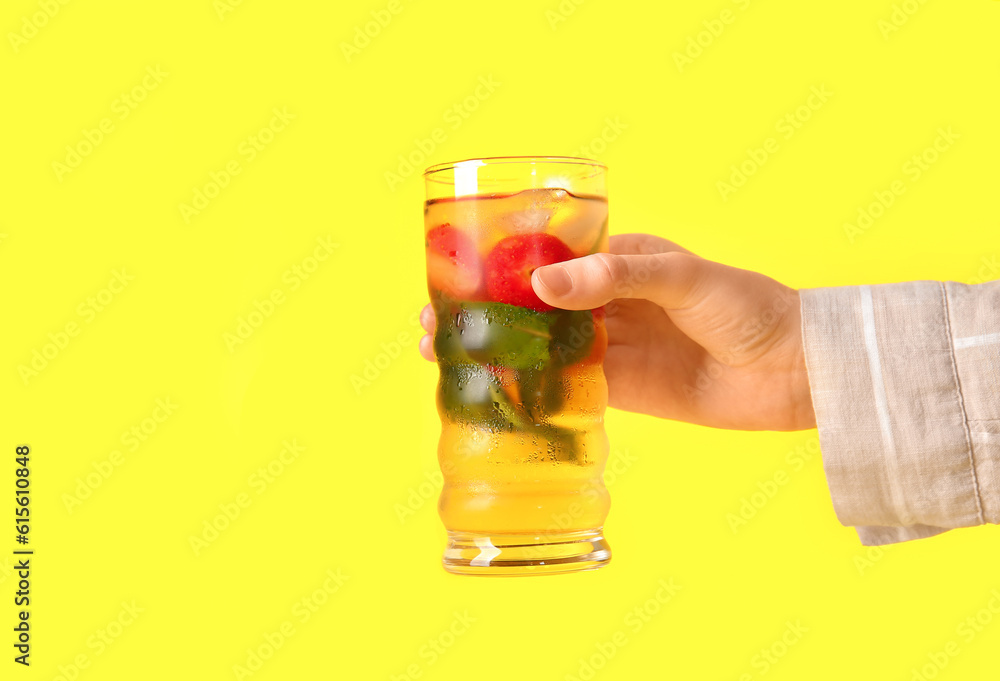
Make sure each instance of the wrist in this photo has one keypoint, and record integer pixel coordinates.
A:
(803, 414)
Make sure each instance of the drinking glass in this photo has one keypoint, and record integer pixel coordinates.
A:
(521, 392)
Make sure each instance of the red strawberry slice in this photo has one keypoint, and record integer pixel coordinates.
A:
(453, 264)
(511, 262)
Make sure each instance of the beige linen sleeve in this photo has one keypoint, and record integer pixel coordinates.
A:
(905, 380)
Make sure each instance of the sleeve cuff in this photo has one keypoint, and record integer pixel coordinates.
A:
(893, 430)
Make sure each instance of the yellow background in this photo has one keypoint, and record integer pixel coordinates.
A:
(563, 73)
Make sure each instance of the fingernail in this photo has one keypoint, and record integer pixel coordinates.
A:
(555, 279)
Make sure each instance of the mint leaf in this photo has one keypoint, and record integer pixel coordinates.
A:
(494, 333)
(536, 345)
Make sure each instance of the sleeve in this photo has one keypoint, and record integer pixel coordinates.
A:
(905, 381)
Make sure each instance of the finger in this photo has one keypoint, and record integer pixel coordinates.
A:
(427, 348)
(642, 244)
(624, 318)
(427, 319)
(671, 280)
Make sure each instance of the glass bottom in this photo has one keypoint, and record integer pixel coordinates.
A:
(511, 555)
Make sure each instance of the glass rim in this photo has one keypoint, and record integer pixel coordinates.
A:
(527, 160)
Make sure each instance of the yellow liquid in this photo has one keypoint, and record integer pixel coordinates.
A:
(510, 481)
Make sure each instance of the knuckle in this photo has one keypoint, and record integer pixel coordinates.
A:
(683, 272)
(610, 268)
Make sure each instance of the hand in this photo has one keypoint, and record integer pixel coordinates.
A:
(688, 339)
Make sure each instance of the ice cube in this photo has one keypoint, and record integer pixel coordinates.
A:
(580, 224)
(531, 210)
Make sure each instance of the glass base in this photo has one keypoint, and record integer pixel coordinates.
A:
(471, 553)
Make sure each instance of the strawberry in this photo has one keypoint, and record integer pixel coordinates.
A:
(453, 264)
(511, 262)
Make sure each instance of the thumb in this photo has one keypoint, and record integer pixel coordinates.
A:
(671, 280)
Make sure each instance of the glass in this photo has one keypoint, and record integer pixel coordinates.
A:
(521, 392)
